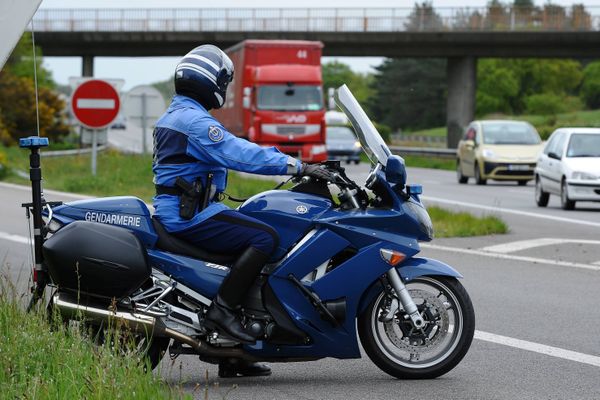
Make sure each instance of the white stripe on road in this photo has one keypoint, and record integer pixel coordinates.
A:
(510, 211)
(510, 257)
(100, 104)
(14, 238)
(539, 348)
(528, 244)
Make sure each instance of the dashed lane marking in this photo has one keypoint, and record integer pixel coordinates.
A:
(539, 348)
(511, 257)
(512, 247)
(14, 238)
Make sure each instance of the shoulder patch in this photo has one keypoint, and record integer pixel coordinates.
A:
(215, 133)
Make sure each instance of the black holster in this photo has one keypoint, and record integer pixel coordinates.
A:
(190, 196)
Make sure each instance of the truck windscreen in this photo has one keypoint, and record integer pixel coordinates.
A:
(289, 98)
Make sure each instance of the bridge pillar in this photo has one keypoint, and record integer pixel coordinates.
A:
(87, 65)
(460, 105)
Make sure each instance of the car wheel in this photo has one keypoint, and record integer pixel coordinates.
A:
(478, 179)
(565, 203)
(522, 183)
(356, 162)
(459, 175)
(541, 197)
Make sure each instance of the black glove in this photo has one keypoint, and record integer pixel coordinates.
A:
(315, 171)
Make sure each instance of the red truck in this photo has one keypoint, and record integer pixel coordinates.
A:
(276, 97)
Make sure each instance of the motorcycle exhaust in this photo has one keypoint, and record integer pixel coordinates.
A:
(145, 324)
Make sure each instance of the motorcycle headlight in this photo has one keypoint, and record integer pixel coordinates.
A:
(583, 176)
(422, 217)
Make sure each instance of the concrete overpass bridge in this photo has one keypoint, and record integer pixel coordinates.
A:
(459, 34)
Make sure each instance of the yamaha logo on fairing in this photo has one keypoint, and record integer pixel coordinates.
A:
(301, 209)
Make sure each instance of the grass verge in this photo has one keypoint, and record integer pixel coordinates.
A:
(40, 362)
(128, 174)
(462, 224)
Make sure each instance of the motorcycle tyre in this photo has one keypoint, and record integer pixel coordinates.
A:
(367, 338)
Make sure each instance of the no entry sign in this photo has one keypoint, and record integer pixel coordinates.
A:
(95, 103)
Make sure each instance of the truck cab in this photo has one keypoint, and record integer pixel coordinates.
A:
(276, 97)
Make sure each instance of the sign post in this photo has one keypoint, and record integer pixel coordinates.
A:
(95, 104)
(143, 105)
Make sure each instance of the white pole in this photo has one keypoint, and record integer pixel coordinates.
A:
(94, 150)
(144, 112)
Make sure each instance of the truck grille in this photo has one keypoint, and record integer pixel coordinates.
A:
(293, 129)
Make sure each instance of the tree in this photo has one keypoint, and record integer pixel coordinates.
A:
(18, 116)
(590, 86)
(410, 93)
(424, 18)
(336, 73)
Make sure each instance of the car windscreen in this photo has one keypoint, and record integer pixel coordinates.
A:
(584, 145)
(289, 98)
(340, 133)
(509, 133)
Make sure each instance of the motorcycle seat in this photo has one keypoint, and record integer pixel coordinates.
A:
(172, 244)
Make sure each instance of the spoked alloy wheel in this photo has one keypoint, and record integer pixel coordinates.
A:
(408, 353)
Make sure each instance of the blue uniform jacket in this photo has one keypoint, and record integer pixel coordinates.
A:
(190, 143)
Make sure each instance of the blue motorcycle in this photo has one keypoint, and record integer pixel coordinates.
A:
(346, 264)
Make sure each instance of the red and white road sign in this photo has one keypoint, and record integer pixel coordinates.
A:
(95, 104)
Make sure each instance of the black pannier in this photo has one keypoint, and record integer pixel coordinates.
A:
(96, 259)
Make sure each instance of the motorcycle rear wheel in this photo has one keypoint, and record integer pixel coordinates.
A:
(399, 350)
(150, 350)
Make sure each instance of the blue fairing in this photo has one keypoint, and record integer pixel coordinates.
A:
(125, 211)
(290, 214)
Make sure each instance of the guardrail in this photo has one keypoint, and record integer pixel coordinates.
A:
(421, 18)
(73, 152)
(423, 151)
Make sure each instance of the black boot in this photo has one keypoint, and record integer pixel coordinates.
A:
(222, 317)
(236, 368)
(232, 291)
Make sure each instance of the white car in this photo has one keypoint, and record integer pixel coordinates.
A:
(569, 167)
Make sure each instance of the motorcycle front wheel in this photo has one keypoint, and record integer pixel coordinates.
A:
(391, 342)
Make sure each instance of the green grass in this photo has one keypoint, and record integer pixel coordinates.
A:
(430, 162)
(545, 124)
(462, 224)
(38, 361)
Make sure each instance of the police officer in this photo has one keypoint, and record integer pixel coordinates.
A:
(193, 147)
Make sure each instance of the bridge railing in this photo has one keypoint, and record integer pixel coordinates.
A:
(419, 19)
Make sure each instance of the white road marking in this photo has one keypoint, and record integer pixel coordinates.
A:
(46, 191)
(596, 263)
(100, 104)
(511, 257)
(528, 244)
(539, 348)
(14, 238)
(510, 211)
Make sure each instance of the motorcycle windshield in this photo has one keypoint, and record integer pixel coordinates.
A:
(372, 143)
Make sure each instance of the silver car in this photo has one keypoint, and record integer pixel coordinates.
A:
(569, 167)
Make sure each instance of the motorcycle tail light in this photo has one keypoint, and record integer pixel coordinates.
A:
(392, 257)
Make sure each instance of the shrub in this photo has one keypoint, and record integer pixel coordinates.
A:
(543, 104)
(3, 165)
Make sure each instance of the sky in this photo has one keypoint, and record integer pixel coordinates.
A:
(145, 70)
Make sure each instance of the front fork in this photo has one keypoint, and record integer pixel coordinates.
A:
(405, 300)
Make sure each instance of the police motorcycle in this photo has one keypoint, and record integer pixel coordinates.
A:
(346, 264)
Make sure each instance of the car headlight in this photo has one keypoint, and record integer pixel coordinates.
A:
(422, 217)
(357, 145)
(488, 153)
(583, 176)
